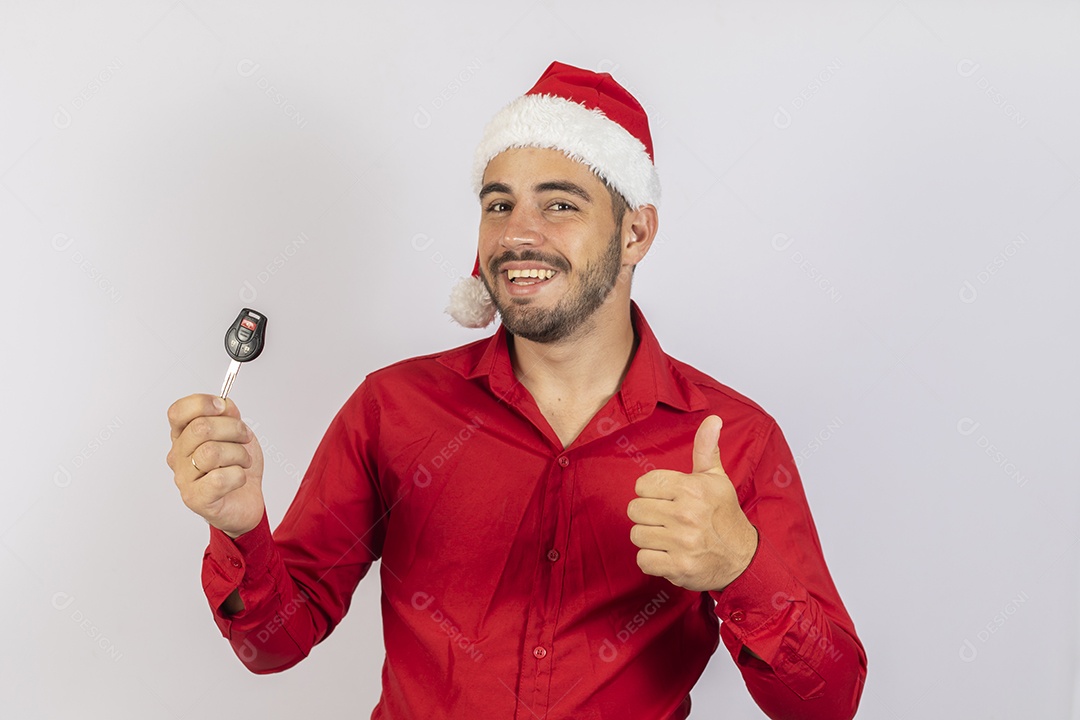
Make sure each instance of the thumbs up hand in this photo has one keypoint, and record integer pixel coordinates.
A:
(689, 527)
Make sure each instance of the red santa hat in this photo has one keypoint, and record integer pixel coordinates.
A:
(589, 117)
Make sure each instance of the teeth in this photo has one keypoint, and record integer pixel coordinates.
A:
(530, 273)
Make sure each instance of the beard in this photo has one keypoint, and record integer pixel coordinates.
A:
(592, 287)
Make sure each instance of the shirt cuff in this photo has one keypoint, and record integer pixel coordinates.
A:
(242, 563)
(755, 606)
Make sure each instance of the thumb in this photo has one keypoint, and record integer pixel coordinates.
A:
(231, 410)
(706, 445)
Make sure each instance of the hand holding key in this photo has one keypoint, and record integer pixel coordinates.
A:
(216, 459)
(217, 463)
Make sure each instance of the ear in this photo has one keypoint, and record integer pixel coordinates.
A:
(639, 231)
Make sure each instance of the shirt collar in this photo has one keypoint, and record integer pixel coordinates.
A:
(652, 377)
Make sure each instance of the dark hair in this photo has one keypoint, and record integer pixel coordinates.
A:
(619, 206)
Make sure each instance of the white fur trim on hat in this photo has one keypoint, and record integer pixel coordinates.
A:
(470, 303)
(588, 136)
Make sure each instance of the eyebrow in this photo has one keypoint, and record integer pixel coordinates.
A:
(564, 186)
(494, 187)
(551, 185)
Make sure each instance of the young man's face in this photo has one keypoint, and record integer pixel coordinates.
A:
(550, 251)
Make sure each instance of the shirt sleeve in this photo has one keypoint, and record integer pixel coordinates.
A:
(784, 606)
(297, 582)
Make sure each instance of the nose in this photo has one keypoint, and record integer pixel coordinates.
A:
(522, 228)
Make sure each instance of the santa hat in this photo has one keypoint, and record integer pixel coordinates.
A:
(593, 120)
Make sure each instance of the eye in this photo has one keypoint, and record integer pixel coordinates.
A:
(561, 206)
(497, 206)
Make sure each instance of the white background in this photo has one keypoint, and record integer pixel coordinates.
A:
(868, 227)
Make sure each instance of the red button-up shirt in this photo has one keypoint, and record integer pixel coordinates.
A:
(510, 587)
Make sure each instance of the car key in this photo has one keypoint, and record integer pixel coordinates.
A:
(244, 341)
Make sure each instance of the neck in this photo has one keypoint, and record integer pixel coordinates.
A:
(585, 369)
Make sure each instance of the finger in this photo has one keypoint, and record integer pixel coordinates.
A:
(212, 455)
(649, 511)
(210, 429)
(213, 486)
(186, 409)
(659, 484)
(231, 409)
(707, 446)
(654, 562)
(648, 537)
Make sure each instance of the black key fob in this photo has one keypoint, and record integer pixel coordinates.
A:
(246, 336)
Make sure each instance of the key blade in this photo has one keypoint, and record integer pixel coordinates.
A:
(234, 368)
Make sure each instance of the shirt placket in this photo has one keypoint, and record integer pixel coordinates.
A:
(547, 589)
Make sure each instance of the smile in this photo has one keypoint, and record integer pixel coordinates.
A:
(531, 276)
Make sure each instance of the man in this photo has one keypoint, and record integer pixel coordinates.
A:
(565, 514)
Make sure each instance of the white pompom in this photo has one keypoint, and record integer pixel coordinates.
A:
(470, 304)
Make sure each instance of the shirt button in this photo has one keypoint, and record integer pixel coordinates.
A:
(553, 555)
(563, 461)
(737, 616)
(235, 561)
(539, 652)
